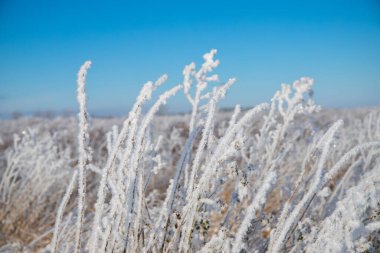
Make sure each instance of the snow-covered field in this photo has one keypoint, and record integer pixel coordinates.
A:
(285, 176)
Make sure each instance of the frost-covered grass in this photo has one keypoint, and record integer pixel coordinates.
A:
(280, 177)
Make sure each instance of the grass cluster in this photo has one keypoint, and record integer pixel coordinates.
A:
(283, 176)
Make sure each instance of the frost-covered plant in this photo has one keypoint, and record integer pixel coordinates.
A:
(207, 166)
(84, 154)
(347, 229)
(31, 185)
(279, 177)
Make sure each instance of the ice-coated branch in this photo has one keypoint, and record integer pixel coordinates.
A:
(202, 79)
(84, 155)
(166, 209)
(137, 156)
(145, 95)
(346, 158)
(234, 116)
(278, 239)
(256, 204)
(211, 171)
(205, 136)
(61, 209)
(187, 82)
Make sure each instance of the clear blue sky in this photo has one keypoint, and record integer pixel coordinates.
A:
(261, 43)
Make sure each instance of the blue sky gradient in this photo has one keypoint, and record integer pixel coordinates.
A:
(261, 43)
